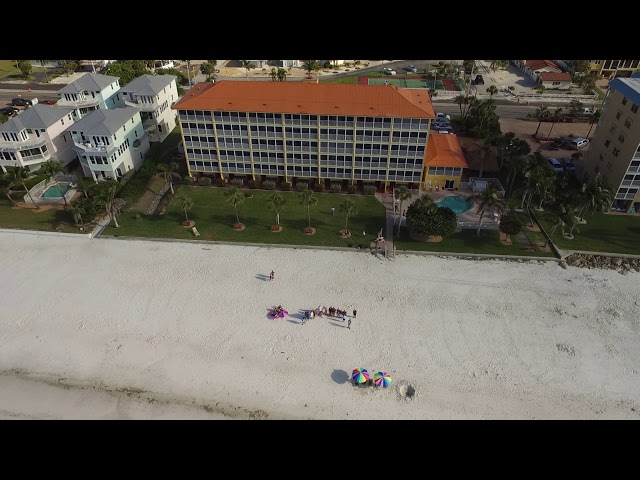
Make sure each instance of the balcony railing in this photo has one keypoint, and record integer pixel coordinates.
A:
(145, 107)
(78, 103)
(31, 142)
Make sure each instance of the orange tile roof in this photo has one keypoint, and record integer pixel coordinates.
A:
(555, 76)
(443, 150)
(540, 64)
(308, 98)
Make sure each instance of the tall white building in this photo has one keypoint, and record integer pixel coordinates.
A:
(153, 95)
(35, 136)
(109, 143)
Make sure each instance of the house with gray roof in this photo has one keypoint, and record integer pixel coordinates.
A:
(153, 95)
(109, 143)
(35, 136)
(90, 92)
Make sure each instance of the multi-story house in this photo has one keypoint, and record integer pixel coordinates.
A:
(306, 131)
(614, 150)
(444, 163)
(91, 92)
(35, 136)
(109, 143)
(153, 95)
(617, 68)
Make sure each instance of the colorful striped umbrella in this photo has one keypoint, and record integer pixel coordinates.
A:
(360, 375)
(382, 379)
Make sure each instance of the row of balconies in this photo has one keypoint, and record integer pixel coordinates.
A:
(322, 123)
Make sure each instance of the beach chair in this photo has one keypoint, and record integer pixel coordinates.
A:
(195, 231)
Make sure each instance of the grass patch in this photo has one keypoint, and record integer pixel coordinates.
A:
(46, 219)
(214, 219)
(153, 188)
(467, 241)
(602, 233)
(8, 68)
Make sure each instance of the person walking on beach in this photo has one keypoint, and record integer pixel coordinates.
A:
(271, 275)
(354, 313)
(349, 324)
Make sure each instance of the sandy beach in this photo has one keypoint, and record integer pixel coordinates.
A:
(125, 329)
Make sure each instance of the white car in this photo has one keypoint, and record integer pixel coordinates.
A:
(442, 117)
(388, 71)
(411, 68)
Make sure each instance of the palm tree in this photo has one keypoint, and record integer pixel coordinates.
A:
(186, 203)
(276, 202)
(593, 119)
(274, 74)
(84, 184)
(17, 176)
(558, 212)
(107, 197)
(571, 221)
(402, 194)
(235, 197)
(247, 65)
(555, 116)
(462, 100)
(308, 199)
(540, 114)
(167, 171)
(544, 186)
(597, 195)
(282, 74)
(43, 63)
(6, 189)
(492, 90)
(349, 209)
(503, 144)
(310, 66)
(519, 149)
(50, 169)
(76, 211)
(489, 199)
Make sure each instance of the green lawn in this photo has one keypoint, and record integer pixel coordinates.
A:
(467, 241)
(602, 233)
(32, 219)
(8, 67)
(214, 219)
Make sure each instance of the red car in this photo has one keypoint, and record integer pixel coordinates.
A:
(48, 102)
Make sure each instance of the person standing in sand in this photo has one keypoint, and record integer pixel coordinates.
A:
(354, 313)
(349, 324)
(272, 275)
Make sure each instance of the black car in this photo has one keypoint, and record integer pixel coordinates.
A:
(9, 111)
(21, 102)
(479, 80)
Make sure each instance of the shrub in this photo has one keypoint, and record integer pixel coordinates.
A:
(237, 182)
(426, 218)
(336, 187)
(510, 224)
(352, 189)
(318, 187)
(33, 181)
(285, 186)
(204, 181)
(302, 186)
(251, 183)
(369, 189)
(127, 177)
(269, 185)
(91, 208)
(189, 180)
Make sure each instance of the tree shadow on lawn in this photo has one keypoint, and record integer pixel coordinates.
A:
(601, 235)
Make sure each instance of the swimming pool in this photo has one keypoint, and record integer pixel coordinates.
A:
(456, 203)
(55, 191)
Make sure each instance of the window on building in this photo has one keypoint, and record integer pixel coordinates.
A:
(607, 142)
(624, 100)
(609, 164)
(627, 123)
(621, 138)
(618, 115)
(615, 152)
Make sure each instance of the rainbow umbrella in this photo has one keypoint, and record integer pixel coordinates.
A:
(360, 375)
(382, 379)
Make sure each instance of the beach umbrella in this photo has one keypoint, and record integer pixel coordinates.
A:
(382, 379)
(360, 375)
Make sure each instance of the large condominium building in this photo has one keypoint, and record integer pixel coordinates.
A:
(619, 68)
(109, 143)
(91, 92)
(614, 150)
(153, 95)
(306, 131)
(35, 136)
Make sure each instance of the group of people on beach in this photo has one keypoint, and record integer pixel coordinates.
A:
(331, 312)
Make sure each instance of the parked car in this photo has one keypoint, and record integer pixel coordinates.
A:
(411, 68)
(559, 143)
(578, 143)
(442, 117)
(10, 111)
(568, 165)
(21, 102)
(435, 125)
(479, 80)
(555, 164)
(388, 71)
(48, 102)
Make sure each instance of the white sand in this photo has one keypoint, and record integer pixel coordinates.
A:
(110, 328)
